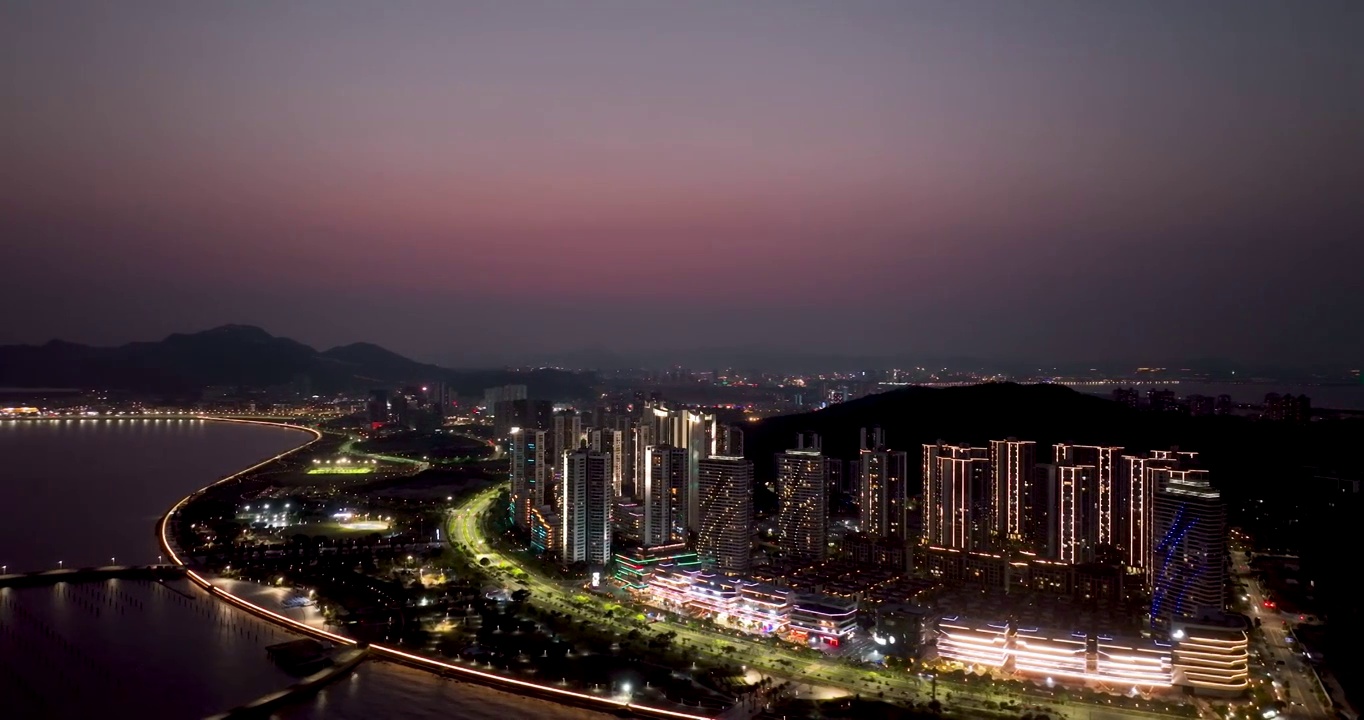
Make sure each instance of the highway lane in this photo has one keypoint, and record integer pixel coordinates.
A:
(466, 529)
(1300, 684)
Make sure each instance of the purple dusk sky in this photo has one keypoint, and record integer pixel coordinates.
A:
(478, 182)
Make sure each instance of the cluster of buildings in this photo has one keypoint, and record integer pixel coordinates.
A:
(1282, 408)
(1094, 523)
(997, 512)
(1094, 520)
(1166, 401)
(410, 408)
(661, 476)
(1287, 408)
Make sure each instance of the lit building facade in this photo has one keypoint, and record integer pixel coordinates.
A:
(823, 620)
(882, 486)
(1106, 461)
(1212, 654)
(693, 432)
(1142, 477)
(628, 520)
(585, 508)
(566, 433)
(531, 469)
(729, 441)
(1019, 515)
(1075, 512)
(1065, 656)
(1190, 553)
(726, 535)
(612, 442)
(957, 500)
(544, 531)
(802, 502)
(751, 607)
(900, 630)
(665, 474)
(634, 568)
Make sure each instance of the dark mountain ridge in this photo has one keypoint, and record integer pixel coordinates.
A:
(248, 356)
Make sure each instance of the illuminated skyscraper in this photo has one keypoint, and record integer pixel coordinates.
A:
(1142, 477)
(644, 436)
(568, 432)
(565, 435)
(625, 425)
(585, 508)
(729, 441)
(1075, 511)
(802, 502)
(882, 486)
(1019, 510)
(531, 468)
(1190, 552)
(607, 440)
(726, 535)
(665, 473)
(691, 431)
(1105, 460)
(957, 499)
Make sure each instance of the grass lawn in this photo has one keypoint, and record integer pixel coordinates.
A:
(340, 470)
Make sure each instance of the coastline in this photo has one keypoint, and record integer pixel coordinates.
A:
(500, 682)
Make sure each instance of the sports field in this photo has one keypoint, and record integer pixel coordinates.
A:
(335, 529)
(340, 469)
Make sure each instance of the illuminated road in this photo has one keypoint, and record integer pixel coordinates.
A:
(1300, 685)
(466, 530)
(348, 449)
(216, 590)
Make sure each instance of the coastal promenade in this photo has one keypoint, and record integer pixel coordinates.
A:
(597, 701)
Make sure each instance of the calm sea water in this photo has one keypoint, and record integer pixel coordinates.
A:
(87, 491)
(83, 492)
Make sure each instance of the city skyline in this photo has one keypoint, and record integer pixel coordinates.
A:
(694, 361)
(464, 183)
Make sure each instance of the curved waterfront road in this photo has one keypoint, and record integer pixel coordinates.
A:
(173, 552)
(466, 529)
